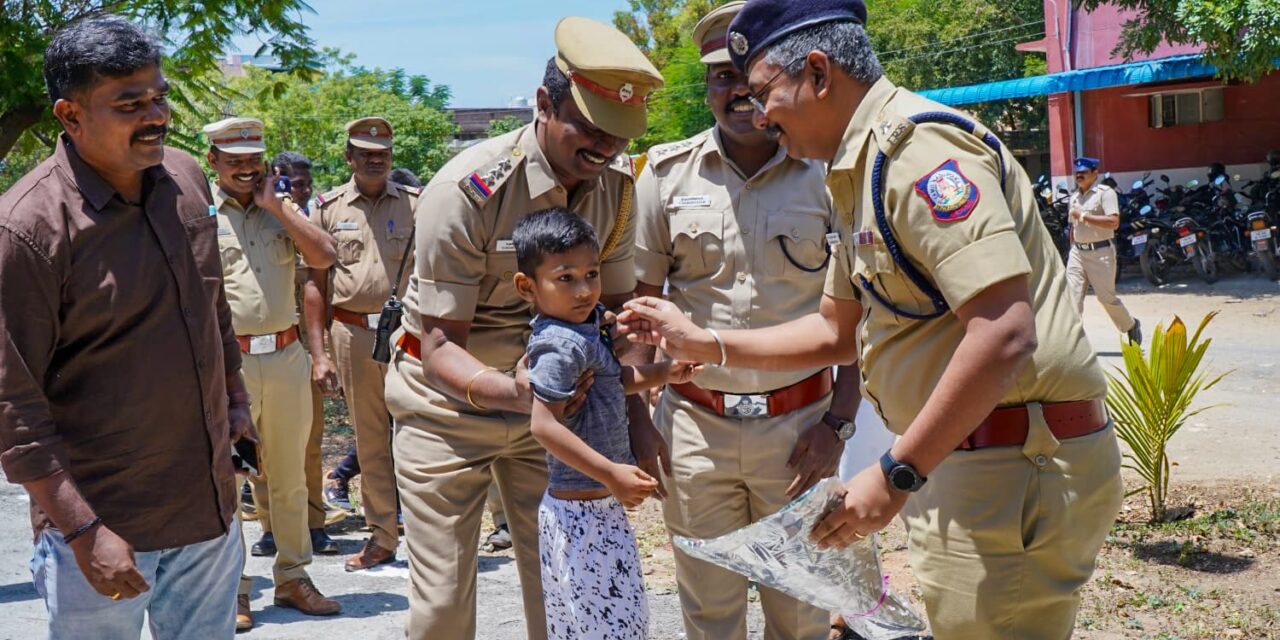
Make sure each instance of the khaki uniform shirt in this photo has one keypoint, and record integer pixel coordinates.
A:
(1098, 200)
(465, 256)
(258, 263)
(372, 234)
(1001, 237)
(715, 236)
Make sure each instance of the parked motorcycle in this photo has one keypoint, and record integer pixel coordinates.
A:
(1262, 240)
(1193, 239)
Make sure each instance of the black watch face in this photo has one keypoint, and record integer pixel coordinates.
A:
(902, 479)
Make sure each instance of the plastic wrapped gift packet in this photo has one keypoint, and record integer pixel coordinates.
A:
(776, 552)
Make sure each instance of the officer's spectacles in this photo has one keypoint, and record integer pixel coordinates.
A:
(757, 98)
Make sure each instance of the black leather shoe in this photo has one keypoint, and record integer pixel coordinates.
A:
(322, 544)
(265, 546)
(1135, 333)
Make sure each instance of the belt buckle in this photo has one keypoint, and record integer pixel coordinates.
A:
(259, 345)
(746, 406)
(371, 320)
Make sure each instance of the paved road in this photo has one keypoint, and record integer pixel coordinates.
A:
(1236, 441)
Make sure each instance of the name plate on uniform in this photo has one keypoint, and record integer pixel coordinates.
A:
(223, 231)
(259, 345)
(372, 320)
(692, 202)
(833, 239)
(505, 246)
(348, 226)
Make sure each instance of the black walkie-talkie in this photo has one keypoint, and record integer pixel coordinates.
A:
(392, 313)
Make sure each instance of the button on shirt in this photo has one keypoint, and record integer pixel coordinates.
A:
(258, 267)
(1098, 200)
(718, 238)
(466, 260)
(115, 344)
(1002, 237)
(372, 234)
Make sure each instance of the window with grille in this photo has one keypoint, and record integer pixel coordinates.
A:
(1186, 107)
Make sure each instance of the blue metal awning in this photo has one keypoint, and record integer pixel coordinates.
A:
(1171, 68)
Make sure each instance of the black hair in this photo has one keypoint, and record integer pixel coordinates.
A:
(549, 232)
(84, 52)
(289, 161)
(556, 83)
(400, 175)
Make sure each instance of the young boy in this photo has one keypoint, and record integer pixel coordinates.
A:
(590, 563)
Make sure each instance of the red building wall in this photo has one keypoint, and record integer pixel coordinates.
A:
(1116, 129)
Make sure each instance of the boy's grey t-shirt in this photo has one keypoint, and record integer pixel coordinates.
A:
(559, 353)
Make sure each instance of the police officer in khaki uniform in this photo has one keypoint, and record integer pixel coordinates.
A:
(372, 220)
(460, 403)
(738, 231)
(260, 236)
(969, 347)
(1095, 214)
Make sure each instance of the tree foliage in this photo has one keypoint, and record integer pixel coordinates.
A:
(922, 44)
(502, 125)
(1240, 37)
(194, 34)
(308, 116)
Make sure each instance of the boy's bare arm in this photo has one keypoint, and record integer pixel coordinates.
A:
(637, 378)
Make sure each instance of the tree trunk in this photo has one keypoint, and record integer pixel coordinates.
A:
(14, 121)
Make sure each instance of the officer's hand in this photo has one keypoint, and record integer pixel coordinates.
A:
(815, 456)
(325, 375)
(524, 391)
(630, 485)
(659, 323)
(106, 561)
(651, 452)
(869, 505)
(241, 423)
(579, 398)
(264, 193)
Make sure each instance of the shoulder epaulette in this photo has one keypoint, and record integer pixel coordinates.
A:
(890, 131)
(329, 196)
(411, 190)
(664, 152)
(481, 184)
(624, 163)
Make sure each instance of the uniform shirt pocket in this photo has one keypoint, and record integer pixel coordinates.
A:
(281, 249)
(497, 287)
(697, 242)
(350, 246)
(397, 243)
(232, 253)
(797, 244)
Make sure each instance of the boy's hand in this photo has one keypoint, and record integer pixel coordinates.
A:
(630, 485)
(682, 371)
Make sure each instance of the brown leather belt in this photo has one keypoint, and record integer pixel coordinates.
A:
(410, 345)
(1007, 427)
(270, 343)
(760, 405)
(363, 320)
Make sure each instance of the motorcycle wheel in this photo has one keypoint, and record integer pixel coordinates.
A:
(1206, 266)
(1153, 268)
(1267, 263)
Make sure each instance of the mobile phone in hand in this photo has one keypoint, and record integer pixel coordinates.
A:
(244, 456)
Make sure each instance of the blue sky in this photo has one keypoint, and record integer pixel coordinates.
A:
(487, 51)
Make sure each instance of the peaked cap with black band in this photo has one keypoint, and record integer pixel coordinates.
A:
(761, 23)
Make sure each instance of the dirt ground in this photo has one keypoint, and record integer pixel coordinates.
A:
(1213, 575)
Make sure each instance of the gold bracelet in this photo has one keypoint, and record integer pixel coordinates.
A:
(476, 376)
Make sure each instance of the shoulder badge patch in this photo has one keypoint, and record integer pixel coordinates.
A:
(950, 195)
(480, 185)
(326, 198)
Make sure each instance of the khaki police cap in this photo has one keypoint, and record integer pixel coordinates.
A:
(369, 133)
(711, 36)
(609, 77)
(236, 135)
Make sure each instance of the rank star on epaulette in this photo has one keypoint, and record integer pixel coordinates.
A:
(950, 195)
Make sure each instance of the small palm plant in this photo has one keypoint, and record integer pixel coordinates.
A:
(1150, 399)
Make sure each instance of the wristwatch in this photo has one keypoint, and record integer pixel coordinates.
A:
(901, 475)
(844, 428)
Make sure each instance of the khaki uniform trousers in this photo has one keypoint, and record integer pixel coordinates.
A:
(495, 507)
(728, 473)
(280, 387)
(1003, 539)
(445, 463)
(1097, 268)
(315, 480)
(363, 381)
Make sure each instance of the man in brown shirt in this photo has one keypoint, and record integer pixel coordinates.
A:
(120, 388)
